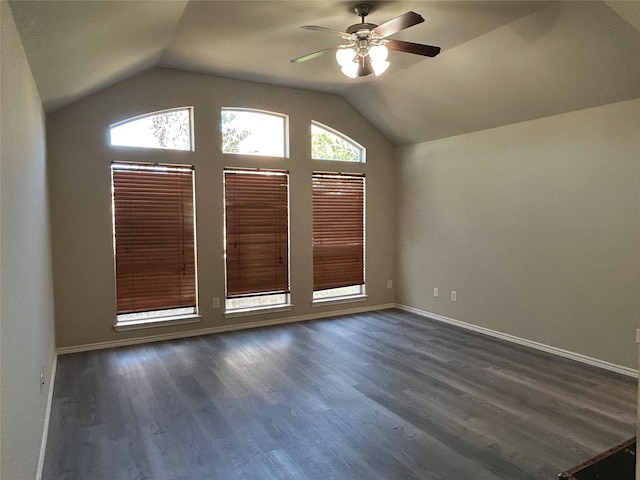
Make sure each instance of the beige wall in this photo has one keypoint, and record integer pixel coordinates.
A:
(535, 225)
(26, 294)
(80, 158)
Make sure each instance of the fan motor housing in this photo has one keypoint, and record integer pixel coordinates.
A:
(361, 26)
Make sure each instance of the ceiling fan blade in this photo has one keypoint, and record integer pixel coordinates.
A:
(311, 56)
(405, 20)
(410, 47)
(331, 31)
(364, 66)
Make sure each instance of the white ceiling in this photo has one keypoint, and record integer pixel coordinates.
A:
(502, 61)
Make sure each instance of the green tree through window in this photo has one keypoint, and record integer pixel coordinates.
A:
(171, 129)
(231, 138)
(254, 132)
(329, 145)
(168, 129)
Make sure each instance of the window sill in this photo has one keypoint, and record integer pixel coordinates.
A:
(338, 300)
(244, 312)
(156, 322)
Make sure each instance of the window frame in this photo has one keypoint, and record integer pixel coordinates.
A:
(338, 292)
(128, 317)
(285, 131)
(192, 145)
(362, 157)
(243, 303)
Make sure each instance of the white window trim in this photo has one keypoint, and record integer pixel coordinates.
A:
(320, 302)
(283, 306)
(156, 322)
(245, 312)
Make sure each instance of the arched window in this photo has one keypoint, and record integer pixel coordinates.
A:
(329, 144)
(254, 132)
(170, 129)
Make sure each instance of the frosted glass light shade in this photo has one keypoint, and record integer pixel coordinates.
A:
(350, 70)
(345, 56)
(379, 66)
(378, 52)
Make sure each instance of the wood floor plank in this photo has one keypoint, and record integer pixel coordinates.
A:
(379, 396)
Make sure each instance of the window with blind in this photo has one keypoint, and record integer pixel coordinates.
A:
(338, 235)
(154, 238)
(256, 206)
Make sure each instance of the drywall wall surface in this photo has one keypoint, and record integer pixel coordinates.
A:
(536, 226)
(80, 157)
(638, 404)
(27, 345)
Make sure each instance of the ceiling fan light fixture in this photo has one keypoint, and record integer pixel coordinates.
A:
(366, 51)
(350, 70)
(379, 66)
(345, 56)
(378, 52)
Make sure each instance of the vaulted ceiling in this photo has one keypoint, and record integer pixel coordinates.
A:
(502, 62)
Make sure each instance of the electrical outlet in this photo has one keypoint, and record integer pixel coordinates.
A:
(435, 292)
(216, 302)
(454, 296)
(389, 283)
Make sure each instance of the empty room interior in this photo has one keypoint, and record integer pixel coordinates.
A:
(401, 242)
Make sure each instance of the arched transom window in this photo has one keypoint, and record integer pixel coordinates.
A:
(169, 129)
(329, 144)
(254, 132)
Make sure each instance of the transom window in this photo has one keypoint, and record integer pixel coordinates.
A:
(329, 144)
(169, 129)
(254, 132)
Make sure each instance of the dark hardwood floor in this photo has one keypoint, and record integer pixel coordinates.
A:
(384, 395)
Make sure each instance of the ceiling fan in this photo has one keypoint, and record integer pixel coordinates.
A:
(369, 44)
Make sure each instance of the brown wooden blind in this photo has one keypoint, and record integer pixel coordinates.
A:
(154, 237)
(257, 232)
(338, 230)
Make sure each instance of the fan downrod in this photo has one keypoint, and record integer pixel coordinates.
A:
(362, 10)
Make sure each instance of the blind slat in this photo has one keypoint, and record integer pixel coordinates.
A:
(154, 238)
(338, 230)
(257, 232)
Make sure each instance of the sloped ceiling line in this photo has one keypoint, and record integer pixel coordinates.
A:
(502, 61)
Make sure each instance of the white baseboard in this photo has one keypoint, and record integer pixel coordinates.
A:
(527, 343)
(47, 416)
(220, 329)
